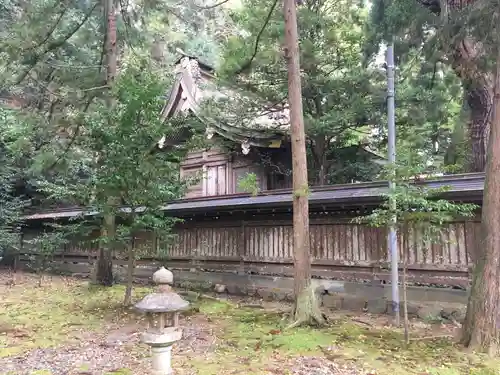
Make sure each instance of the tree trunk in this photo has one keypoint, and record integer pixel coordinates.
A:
(104, 272)
(479, 100)
(319, 150)
(127, 301)
(478, 87)
(406, 322)
(306, 308)
(465, 55)
(104, 275)
(481, 330)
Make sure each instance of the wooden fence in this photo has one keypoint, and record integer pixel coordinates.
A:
(340, 249)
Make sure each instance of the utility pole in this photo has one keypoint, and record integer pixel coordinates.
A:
(392, 239)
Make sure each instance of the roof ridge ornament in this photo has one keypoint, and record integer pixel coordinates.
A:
(210, 132)
(195, 69)
(245, 147)
(185, 62)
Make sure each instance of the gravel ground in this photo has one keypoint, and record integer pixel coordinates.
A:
(95, 359)
(93, 356)
(101, 354)
(321, 366)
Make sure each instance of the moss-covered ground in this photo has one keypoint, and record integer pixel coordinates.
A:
(221, 337)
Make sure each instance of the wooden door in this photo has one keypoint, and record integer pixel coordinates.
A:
(215, 180)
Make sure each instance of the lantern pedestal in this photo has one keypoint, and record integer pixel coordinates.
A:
(161, 357)
(161, 348)
(162, 310)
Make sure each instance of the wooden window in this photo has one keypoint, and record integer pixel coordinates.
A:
(216, 180)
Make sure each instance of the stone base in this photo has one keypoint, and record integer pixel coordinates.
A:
(162, 360)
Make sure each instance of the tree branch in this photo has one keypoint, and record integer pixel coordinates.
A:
(73, 138)
(52, 29)
(45, 88)
(211, 6)
(54, 45)
(247, 64)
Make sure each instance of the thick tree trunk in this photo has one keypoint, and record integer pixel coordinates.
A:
(481, 330)
(104, 275)
(319, 150)
(306, 304)
(478, 87)
(479, 100)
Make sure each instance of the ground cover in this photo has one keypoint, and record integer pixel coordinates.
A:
(68, 327)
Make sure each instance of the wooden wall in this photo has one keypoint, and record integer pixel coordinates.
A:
(218, 173)
(333, 241)
(340, 249)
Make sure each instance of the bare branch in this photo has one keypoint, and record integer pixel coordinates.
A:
(211, 6)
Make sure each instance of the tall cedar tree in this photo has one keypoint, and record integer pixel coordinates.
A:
(104, 271)
(306, 308)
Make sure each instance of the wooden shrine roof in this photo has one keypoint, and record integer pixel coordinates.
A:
(462, 187)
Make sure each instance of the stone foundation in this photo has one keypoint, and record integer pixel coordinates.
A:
(424, 302)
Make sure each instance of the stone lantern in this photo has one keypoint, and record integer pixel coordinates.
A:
(162, 310)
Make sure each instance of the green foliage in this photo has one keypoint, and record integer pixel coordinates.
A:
(188, 26)
(428, 107)
(429, 95)
(412, 204)
(43, 247)
(129, 165)
(343, 93)
(249, 184)
(339, 94)
(10, 204)
(302, 191)
(54, 72)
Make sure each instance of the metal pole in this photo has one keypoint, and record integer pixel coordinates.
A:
(392, 237)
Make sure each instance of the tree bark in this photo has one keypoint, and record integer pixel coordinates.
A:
(306, 308)
(104, 275)
(478, 85)
(481, 330)
(104, 272)
(479, 100)
(130, 273)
